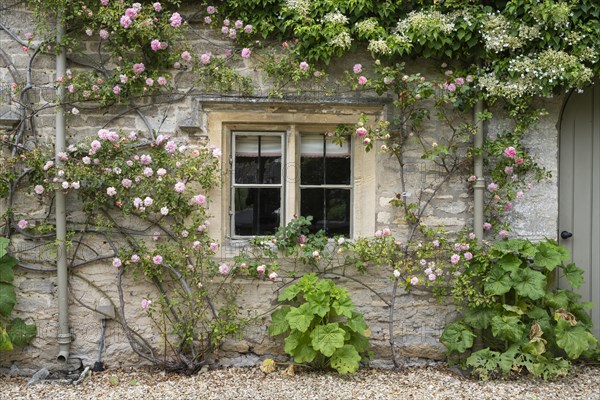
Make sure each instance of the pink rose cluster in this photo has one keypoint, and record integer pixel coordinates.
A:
(383, 232)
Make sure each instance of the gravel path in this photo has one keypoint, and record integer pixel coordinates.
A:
(251, 383)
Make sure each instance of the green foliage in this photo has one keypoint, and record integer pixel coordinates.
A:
(13, 332)
(321, 325)
(524, 322)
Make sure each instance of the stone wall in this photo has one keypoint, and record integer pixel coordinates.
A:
(419, 318)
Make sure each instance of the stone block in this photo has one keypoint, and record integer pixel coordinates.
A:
(37, 286)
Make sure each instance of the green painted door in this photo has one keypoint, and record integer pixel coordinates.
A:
(579, 191)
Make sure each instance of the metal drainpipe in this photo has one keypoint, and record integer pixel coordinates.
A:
(62, 275)
(478, 171)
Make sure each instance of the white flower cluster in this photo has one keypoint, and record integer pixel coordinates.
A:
(588, 54)
(367, 27)
(342, 40)
(538, 75)
(551, 14)
(425, 22)
(496, 32)
(300, 7)
(336, 18)
(379, 46)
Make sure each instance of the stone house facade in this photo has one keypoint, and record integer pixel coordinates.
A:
(239, 126)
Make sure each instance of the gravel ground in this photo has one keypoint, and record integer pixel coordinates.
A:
(251, 383)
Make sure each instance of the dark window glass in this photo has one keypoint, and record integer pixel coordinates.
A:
(257, 211)
(324, 167)
(258, 159)
(330, 209)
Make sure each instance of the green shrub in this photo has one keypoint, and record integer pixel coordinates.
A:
(517, 314)
(13, 332)
(321, 325)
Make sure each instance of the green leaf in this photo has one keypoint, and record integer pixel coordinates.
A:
(539, 313)
(480, 318)
(550, 255)
(4, 242)
(560, 299)
(484, 362)
(300, 318)
(357, 323)
(497, 283)
(21, 333)
(289, 294)
(509, 263)
(343, 306)
(298, 345)
(457, 337)
(327, 338)
(7, 263)
(279, 323)
(359, 341)
(574, 274)
(529, 283)
(319, 302)
(508, 358)
(519, 310)
(574, 340)
(509, 246)
(8, 298)
(529, 250)
(5, 343)
(345, 359)
(508, 327)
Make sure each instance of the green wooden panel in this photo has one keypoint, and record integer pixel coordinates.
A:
(579, 190)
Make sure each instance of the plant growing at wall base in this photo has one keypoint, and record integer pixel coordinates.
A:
(522, 321)
(13, 332)
(321, 325)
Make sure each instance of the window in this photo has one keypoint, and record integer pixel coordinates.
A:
(302, 171)
(257, 188)
(325, 184)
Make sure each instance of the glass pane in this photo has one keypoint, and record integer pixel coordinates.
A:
(312, 171)
(324, 162)
(337, 203)
(330, 209)
(258, 159)
(311, 203)
(312, 166)
(257, 211)
(337, 170)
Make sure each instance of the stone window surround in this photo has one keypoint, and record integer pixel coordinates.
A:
(220, 118)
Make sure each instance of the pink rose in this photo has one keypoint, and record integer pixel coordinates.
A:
(155, 44)
(362, 80)
(510, 152)
(175, 20)
(145, 303)
(361, 132)
(357, 69)
(246, 52)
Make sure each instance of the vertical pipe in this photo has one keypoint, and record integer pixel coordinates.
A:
(64, 336)
(478, 172)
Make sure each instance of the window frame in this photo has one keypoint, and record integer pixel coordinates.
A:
(321, 130)
(233, 185)
(218, 117)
